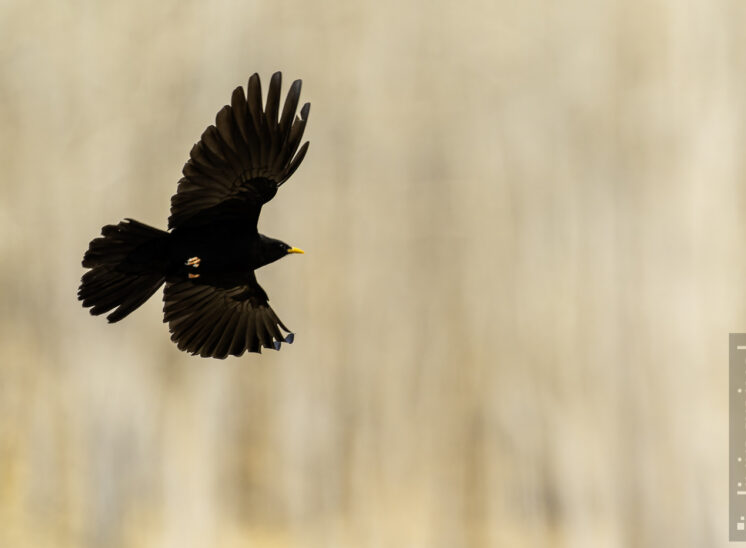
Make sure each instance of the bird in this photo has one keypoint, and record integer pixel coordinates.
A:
(213, 303)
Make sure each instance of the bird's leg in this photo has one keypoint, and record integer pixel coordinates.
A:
(194, 263)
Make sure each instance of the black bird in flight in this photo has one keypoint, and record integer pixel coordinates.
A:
(212, 302)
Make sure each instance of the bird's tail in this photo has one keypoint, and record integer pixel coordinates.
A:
(127, 267)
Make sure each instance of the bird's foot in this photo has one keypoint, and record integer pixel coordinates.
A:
(192, 276)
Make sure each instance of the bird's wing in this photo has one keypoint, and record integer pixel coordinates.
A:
(246, 155)
(215, 322)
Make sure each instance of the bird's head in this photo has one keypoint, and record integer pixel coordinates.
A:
(275, 249)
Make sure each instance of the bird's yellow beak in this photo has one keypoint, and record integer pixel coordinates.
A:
(295, 250)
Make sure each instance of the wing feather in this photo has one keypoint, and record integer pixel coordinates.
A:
(241, 115)
(247, 154)
(273, 101)
(238, 340)
(225, 127)
(217, 322)
(254, 102)
(224, 343)
(288, 111)
(207, 349)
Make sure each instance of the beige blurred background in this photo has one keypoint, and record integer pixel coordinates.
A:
(523, 228)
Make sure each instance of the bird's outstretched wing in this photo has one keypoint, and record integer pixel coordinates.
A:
(215, 322)
(246, 155)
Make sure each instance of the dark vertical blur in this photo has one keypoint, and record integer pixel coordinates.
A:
(522, 224)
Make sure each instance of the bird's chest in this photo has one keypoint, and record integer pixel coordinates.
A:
(211, 252)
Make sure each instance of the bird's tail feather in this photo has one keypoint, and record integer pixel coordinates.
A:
(126, 268)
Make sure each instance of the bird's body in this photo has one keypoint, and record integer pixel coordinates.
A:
(213, 302)
(227, 250)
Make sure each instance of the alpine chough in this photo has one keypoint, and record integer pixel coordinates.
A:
(212, 301)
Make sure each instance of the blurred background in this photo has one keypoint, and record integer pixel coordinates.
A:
(522, 226)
